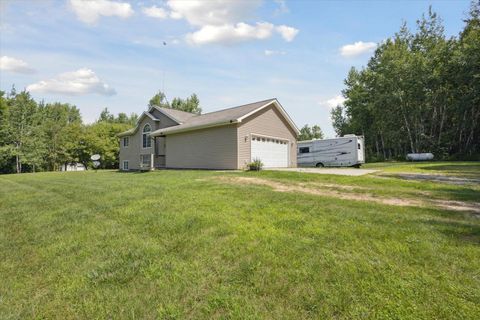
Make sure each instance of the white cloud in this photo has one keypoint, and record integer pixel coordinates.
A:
(82, 81)
(175, 15)
(358, 48)
(333, 102)
(89, 11)
(213, 12)
(155, 12)
(223, 21)
(274, 52)
(287, 33)
(228, 34)
(14, 65)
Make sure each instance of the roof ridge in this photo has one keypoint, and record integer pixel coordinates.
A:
(176, 110)
(243, 105)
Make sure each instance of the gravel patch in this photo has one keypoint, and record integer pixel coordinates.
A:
(435, 178)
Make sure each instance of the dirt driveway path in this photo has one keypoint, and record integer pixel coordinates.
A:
(323, 190)
(337, 171)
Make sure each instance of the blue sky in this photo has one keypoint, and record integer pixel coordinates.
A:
(104, 53)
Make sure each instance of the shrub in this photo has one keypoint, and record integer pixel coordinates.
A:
(255, 165)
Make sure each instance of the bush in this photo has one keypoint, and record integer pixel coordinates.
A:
(255, 165)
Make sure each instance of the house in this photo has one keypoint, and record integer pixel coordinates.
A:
(74, 166)
(224, 139)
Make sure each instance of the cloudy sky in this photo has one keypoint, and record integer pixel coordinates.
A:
(117, 54)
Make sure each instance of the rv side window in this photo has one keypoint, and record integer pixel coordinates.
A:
(304, 150)
(359, 146)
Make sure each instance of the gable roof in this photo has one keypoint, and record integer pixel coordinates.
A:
(133, 130)
(224, 117)
(176, 115)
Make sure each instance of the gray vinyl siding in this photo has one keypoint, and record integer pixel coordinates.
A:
(165, 121)
(268, 122)
(211, 148)
(135, 148)
(223, 147)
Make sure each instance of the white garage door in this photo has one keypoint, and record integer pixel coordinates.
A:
(273, 152)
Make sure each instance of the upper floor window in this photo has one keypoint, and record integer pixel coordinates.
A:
(125, 142)
(146, 140)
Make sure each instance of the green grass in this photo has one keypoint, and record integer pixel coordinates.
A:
(185, 244)
(464, 169)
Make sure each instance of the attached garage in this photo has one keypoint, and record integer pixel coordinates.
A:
(272, 151)
(225, 139)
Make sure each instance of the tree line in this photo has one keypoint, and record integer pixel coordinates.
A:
(419, 92)
(310, 133)
(37, 136)
(190, 104)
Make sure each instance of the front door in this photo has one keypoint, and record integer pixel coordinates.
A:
(160, 152)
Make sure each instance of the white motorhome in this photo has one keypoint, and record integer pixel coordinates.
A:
(346, 151)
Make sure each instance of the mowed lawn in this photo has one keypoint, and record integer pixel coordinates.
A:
(459, 169)
(211, 245)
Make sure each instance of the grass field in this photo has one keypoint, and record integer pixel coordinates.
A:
(460, 169)
(239, 245)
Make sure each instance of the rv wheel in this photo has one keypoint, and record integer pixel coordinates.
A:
(319, 165)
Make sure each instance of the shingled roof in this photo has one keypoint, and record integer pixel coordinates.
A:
(177, 115)
(190, 121)
(216, 118)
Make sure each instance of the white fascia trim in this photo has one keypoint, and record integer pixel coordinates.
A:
(166, 114)
(128, 133)
(279, 108)
(148, 114)
(180, 130)
(254, 111)
(144, 113)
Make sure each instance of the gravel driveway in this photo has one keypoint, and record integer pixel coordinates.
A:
(337, 171)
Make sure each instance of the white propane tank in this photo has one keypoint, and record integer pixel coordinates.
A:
(420, 156)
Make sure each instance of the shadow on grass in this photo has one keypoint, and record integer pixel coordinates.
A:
(461, 231)
(461, 170)
(465, 194)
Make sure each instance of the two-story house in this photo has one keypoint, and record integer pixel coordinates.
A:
(224, 139)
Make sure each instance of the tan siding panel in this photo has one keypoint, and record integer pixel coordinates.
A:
(268, 122)
(212, 148)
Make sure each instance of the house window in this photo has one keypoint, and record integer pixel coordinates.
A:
(145, 160)
(359, 146)
(304, 150)
(125, 142)
(125, 165)
(146, 140)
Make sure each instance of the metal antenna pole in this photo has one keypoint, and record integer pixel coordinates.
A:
(163, 87)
